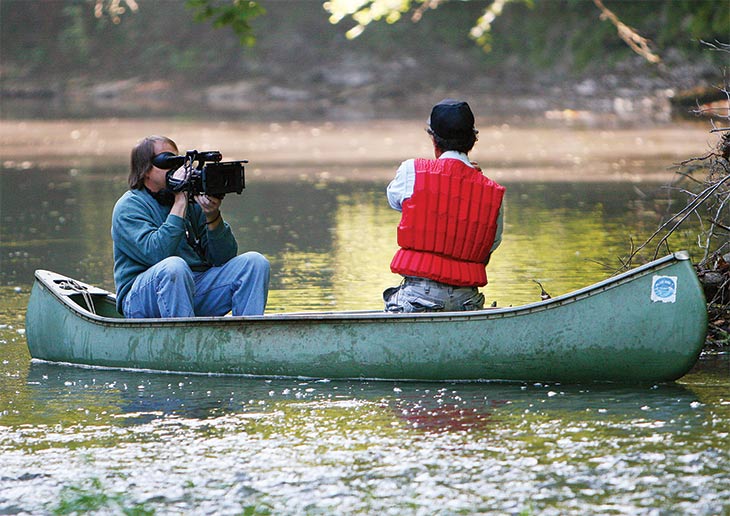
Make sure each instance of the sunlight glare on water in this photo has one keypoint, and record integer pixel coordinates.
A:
(172, 443)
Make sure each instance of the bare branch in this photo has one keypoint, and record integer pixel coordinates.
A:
(679, 218)
(638, 44)
(717, 46)
(425, 6)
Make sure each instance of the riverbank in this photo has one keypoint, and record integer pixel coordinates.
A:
(634, 96)
(539, 149)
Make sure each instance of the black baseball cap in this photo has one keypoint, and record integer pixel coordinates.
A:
(452, 120)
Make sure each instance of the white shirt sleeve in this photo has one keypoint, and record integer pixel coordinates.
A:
(500, 226)
(401, 187)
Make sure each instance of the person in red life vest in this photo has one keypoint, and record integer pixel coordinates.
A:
(451, 220)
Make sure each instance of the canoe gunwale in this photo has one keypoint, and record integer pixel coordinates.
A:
(46, 279)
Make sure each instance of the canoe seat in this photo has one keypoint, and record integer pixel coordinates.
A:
(98, 304)
(90, 298)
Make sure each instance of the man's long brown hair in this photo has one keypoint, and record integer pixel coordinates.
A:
(141, 159)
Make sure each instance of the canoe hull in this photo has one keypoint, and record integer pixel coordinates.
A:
(612, 331)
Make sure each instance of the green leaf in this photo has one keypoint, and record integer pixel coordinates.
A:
(236, 14)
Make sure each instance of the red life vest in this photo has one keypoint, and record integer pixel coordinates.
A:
(449, 224)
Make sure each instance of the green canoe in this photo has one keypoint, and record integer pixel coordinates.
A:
(645, 325)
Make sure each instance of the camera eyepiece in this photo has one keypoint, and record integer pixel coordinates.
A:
(168, 161)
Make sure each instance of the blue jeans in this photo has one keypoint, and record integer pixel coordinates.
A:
(171, 289)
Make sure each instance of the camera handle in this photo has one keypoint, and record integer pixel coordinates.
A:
(174, 184)
(177, 184)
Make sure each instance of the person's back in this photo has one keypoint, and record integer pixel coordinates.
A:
(449, 224)
(451, 220)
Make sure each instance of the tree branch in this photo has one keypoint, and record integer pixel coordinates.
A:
(638, 44)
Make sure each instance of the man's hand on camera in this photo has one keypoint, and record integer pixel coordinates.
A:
(179, 174)
(211, 206)
(176, 180)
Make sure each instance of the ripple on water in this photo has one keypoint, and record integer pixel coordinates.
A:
(226, 445)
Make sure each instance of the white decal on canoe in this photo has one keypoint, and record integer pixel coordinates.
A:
(664, 289)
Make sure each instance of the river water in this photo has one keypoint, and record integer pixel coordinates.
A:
(75, 439)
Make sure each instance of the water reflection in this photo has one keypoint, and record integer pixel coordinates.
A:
(330, 243)
(57, 394)
(295, 447)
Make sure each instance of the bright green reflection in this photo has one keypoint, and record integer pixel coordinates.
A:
(564, 236)
(365, 243)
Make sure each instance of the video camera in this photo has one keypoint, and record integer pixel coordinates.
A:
(210, 176)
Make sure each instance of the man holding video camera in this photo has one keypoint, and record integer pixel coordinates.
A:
(174, 257)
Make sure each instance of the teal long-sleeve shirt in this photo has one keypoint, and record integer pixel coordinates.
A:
(145, 233)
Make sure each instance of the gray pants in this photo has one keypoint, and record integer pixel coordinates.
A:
(425, 295)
